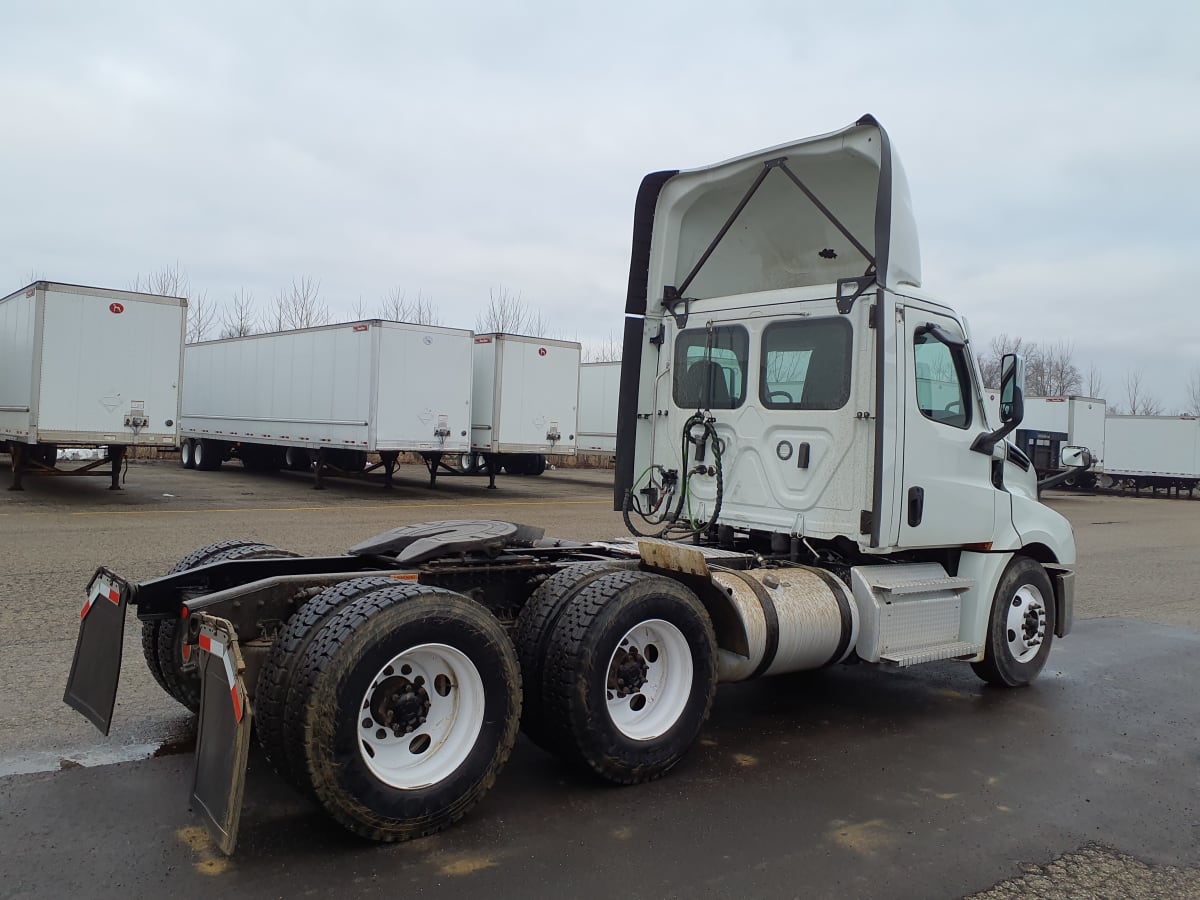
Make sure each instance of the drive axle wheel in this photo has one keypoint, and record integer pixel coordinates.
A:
(281, 738)
(1021, 626)
(168, 655)
(535, 624)
(410, 699)
(630, 676)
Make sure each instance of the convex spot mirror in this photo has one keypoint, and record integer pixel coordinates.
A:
(1012, 389)
(1075, 457)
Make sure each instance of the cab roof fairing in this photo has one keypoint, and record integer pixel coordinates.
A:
(780, 238)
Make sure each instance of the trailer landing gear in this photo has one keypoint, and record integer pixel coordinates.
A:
(40, 460)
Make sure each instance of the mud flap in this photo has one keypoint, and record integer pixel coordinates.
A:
(96, 669)
(223, 736)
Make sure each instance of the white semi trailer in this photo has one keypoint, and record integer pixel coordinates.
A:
(599, 389)
(322, 399)
(796, 500)
(1152, 451)
(524, 399)
(87, 367)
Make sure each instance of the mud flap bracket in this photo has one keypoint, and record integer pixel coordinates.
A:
(223, 735)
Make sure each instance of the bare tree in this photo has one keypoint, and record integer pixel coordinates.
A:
(608, 350)
(358, 311)
(1095, 381)
(238, 319)
(1193, 393)
(990, 359)
(1054, 371)
(509, 313)
(396, 307)
(1050, 369)
(201, 317)
(297, 307)
(1140, 402)
(172, 281)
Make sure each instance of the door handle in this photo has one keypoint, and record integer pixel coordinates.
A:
(916, 506)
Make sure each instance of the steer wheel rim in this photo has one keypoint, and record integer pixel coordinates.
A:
(421, 716)
(1025, 623)
(649, 680)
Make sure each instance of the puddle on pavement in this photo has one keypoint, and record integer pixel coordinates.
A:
(32, 762)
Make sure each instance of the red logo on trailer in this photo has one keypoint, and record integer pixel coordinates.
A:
(541, 351)
(362, 327)
(116, 308)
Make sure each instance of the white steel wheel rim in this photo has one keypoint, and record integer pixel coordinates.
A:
(197, 453)
(1025, 623)
(448, 695)
(658, 656)
(185, 451)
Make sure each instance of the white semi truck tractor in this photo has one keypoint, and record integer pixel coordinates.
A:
(808, 475)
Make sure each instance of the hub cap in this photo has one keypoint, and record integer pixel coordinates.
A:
(1026, 623)
(421, 716)
(649, 680)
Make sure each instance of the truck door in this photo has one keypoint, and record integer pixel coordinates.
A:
(947, 498)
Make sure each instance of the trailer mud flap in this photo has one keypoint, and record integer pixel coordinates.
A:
(223, 736)
(96, 669)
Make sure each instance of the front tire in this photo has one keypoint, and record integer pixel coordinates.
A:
(1020, 627)
(630, 676)
(410, 705)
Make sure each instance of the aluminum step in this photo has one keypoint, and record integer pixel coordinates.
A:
(930, 654)
(925, 585)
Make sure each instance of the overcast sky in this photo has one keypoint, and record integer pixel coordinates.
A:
(451, 149)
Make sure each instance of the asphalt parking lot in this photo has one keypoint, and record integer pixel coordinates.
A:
(850, 782)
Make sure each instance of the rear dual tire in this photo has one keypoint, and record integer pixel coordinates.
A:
(629, 676)
(169, 657)
(403, 709)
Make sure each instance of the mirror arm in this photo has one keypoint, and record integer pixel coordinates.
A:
(986, 442)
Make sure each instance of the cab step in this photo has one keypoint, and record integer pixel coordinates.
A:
(930, 654)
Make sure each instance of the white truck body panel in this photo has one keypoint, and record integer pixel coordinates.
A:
(599, 390)
(525, 391)
(368, 386)
(1152, 446)
(76, 362)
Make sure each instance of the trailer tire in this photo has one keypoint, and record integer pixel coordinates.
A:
(279, 738)
(536, 465)
(535, 624)
(1020, 627)
(596, 720)
(187, 453)
(207, 455)
(297, 459)
(396, 788)
(177, 668)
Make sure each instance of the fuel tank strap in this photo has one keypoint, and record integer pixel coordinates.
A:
(770, 614)
(840, 592)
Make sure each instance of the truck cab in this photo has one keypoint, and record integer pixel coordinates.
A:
(789, 384)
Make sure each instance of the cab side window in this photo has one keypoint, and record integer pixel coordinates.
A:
(943, 382)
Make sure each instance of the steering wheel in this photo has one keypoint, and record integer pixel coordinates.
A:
(784, 394)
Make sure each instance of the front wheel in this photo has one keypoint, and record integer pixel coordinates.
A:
(629, 676)
(410, 702)
(1021, 626)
